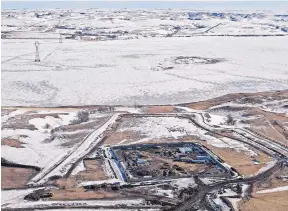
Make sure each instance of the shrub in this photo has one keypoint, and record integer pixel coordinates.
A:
(230, 120)
(82, 116)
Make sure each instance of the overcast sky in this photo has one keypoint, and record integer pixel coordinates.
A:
(229, 5)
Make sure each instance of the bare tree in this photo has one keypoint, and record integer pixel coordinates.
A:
(136, 105)
(82, 116)
(230, 120)
(46, 126)
(110, 108)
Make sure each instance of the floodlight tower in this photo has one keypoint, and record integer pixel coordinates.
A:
(60, 38)
(37, 57)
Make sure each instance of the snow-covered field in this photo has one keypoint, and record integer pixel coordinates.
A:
(80, 150)
(152, 127)
(36, 148)
(132, 23)
(44, 143)
(156, 69)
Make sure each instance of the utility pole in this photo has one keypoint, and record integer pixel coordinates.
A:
(37, 57)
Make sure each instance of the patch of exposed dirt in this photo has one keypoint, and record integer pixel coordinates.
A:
(160, 109)
(80, 194)
(270, 125)
(270, 116)
(12, 142)
(66, 183)
(192, 167)
(240, 160)
(159, 161)
(276, 201)
(278, 179)
(241, 98)
(118, 137)
(270, 132)
(14, 177)
(94, 171)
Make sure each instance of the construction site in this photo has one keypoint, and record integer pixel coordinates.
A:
(160, 161)
(141, 157)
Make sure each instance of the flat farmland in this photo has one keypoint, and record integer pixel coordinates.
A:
(145, 71)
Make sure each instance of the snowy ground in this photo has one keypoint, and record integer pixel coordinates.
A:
(284, 188)
(41, 147)
(157, 127)
(151, 70)
(36, 150)
(61, 166)
(152, 128)
(20, 203)
(139, 23)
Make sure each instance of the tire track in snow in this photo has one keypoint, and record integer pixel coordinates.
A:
(63, 166)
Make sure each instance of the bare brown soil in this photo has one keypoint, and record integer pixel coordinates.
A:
(241, 161)
(280, 128)
(68, 189)
(159, 161)
(192, 167)
(12, 142)
(271, 133)
(276, 201)
(94, 171)
(273, 183)
(244, 97)
(160, 109)
(80, 194)
(275, 180)
(64, 183)
(12, 177)
(117, 137)
(270, 125)
(270, 116)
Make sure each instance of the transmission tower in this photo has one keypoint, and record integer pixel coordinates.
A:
(60, 38)
(37, 57)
